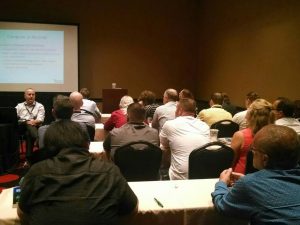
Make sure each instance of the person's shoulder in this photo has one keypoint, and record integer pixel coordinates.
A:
(203, 111)
(44, 127)
(253, 178)
(223, 110)
(160, 107)
(169, 124)
(151, 129)
(88, 101)
(39, 104)
(241, 113)
(238, 115)
(201, 123)
(37, 169)
(101, 166)
(117, 112)
(117, 130)
(238, 134)
(20, 104)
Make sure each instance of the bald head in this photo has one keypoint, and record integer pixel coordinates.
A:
(76, 100)
(280, 144)
(29, 96)
(170, 95)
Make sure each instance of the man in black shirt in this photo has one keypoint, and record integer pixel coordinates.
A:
(73, 187)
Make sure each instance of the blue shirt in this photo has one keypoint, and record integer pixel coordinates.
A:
(264, 197)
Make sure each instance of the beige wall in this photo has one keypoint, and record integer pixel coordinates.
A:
(249, 45)
(204, 45)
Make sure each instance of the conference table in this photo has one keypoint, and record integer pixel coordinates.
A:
(96, 147)
(105, 117)
(180, 202)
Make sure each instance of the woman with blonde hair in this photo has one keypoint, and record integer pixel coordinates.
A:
(259, 114)
(119, 117)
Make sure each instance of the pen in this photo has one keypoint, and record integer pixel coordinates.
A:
(158, 202)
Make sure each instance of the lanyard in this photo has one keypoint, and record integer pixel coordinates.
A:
(30, 112)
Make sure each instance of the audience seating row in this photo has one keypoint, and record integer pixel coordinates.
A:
(140, 161)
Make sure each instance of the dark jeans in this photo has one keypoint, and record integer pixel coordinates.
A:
(30, 133)
(31, 136)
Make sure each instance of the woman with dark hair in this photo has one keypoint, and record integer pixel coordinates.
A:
(148, 100)
(186, 93)
(227, 104)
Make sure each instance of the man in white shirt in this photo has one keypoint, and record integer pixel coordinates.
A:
(31, 115)
(284, 110)
(180, 136)
(240, 117)
(167, 111)
(90, 106)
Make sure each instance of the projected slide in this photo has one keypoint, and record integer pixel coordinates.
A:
(31, 56)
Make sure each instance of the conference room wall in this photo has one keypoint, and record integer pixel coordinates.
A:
(136, 44)
(249, 45)
(231, 46)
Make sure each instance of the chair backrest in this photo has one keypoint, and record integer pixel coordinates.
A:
(226, 128)
(139, 161)
(210, 160)
(8, 115)
(249, 163)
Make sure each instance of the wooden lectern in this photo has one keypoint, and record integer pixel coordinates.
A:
(111, 99)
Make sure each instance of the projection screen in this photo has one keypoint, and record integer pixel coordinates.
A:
(40, 56)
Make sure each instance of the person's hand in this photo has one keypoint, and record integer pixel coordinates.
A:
(225, 176)
(31, 122)
(234, 177)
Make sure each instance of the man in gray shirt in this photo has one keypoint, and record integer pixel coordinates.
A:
(167, 111)
(134, 130)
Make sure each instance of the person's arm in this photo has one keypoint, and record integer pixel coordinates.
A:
(128, 204)
(233, 201)
(126, 219)
(18, 111)
(236, 145)
(107, 146)
(110, 123)
(155, 122)
(165, 147)
(236, 118)
(41, 134)
(40, 116)
(201, 115)
(229, 177)
(97, 113)
(27, 191)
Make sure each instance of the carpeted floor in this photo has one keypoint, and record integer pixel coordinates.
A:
(12, 177)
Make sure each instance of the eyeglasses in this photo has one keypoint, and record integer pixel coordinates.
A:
(254, 149)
